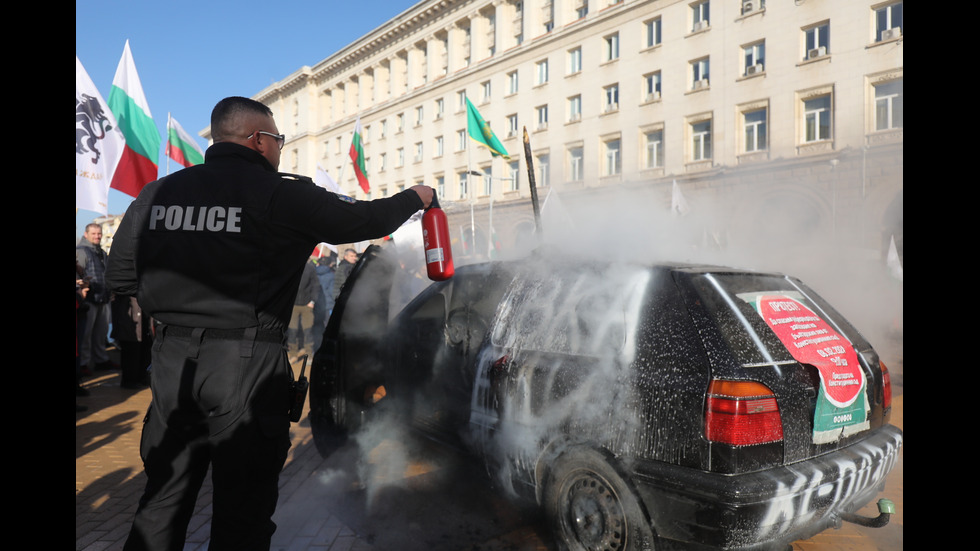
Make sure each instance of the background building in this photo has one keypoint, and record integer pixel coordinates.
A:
(766, 122)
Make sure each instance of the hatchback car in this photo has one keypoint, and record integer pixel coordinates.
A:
(640, 405)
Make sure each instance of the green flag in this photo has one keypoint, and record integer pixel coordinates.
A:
(480, 132)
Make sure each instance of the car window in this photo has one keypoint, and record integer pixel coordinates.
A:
(733, 302)
(584, 311)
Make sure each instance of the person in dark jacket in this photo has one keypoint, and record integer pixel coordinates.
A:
(343, 270)
(89, 254)
(301, 323)
(322, 309)
(215, 254)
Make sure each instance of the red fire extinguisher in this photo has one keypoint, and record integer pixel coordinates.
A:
(435, 240)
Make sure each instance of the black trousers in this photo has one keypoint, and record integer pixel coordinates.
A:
(220, 403)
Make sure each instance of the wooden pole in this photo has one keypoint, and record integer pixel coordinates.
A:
(529, 161)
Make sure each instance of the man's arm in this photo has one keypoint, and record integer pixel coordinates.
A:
(332, 218)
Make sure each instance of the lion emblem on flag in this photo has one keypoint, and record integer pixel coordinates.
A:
(91, 125)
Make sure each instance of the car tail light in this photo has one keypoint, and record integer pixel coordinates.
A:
(742, 413)
(886, 383)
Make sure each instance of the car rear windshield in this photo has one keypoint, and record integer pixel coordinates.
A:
(735, 302)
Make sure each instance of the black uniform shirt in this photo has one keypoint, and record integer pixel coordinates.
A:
(223, 244)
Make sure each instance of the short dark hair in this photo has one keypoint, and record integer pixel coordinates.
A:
(226, 114)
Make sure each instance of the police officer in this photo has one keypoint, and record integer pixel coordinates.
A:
(215, 253)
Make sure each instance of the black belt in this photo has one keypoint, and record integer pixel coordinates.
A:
(264, 335)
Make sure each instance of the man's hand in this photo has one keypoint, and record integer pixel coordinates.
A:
(425, 193)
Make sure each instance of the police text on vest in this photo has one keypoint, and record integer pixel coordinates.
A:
(212, 219)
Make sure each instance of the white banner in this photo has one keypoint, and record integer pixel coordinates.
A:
(98, 144)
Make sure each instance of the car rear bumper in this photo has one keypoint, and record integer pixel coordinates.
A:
(758, 510)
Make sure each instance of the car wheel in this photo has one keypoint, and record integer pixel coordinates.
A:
(328, 410)
(591, 508)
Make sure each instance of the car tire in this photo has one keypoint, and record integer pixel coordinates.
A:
(591, 508)
(328, 411)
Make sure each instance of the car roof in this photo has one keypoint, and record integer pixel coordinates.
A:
(556, 257)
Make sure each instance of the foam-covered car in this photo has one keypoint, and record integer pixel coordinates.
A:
(641, 406)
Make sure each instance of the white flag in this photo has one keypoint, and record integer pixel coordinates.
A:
(324, 180)
(677, 202)
(99, 144)
(894, 263)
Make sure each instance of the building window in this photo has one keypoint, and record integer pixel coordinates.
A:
(485, 87)
(542, 163)
(754, 123)
(652, 37)
(400, 119)
(575, 164)
(611, 98)
(487, 180)
(575, 61)
(419, 116)
(512, 125)
(816, 119)
(754, 59)
(581, 8)
(612, 157)
(548, 16)
(418, 152)
(441, 186)
(816, 40)
(751, 6)
(463, 185)
(400, 157)
(541, 72)
(514, 176)
(541, 112)
(461, 100)
(889, 105)
(700, 16)
(701, 141)
(574, 108)
(512, 82)
(440, 108)
(699, 73)
(888, 22)
(461, 140)
(438, 147)
(383, 163)
(384, 128)
(612, 47)
(651, 86)
(654, 155)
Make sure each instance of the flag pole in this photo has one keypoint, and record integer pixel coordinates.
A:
(340, 177)
(530, 178)
(165, 152)
(490, 223)
(469, 187)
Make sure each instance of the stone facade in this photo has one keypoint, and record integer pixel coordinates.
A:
(781, 119)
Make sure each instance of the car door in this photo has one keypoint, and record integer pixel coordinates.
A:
(350, 360)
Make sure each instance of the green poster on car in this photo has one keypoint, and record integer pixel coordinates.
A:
(842, 403)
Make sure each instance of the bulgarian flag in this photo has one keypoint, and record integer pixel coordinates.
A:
(138, 165)
(357, 155)
(181, 147)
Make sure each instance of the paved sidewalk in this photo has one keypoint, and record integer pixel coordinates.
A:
(109, 479)
(439, 504)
